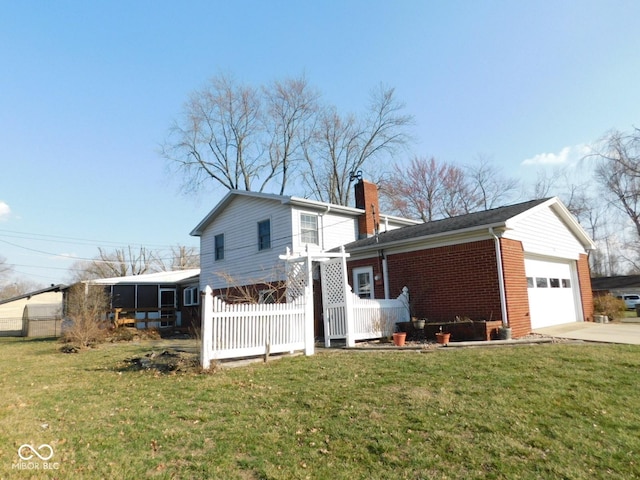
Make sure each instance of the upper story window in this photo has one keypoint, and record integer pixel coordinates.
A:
(219, 246)
(309, 228)
(264, 234)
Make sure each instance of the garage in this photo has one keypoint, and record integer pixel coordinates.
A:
(553, 289)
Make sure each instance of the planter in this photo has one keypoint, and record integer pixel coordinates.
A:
(399, 338)
(418, 324)
(443, 337)
(504, 333)
(601, 319)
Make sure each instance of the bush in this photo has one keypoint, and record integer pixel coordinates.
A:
(86, 311)
(608, 305)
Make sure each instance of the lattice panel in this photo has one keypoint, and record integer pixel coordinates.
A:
(296, 279)
(333, 290)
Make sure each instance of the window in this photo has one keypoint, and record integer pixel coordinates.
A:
(554, 282)
(309, 228)
(264, 235)
(566, 283)
(530, 282)
(191, 296)
(219, 247)
(541, 282)
(363, 282)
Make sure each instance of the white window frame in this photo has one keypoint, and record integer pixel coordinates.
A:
(191, 297)
(270, 235)
(356, 284)
(217, 257)
(314, 232)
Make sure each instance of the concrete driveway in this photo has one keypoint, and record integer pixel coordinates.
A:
(628, 333)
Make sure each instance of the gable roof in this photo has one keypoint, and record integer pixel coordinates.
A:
(176, 276)
(484, 220)
(286, 200)
(52, 288)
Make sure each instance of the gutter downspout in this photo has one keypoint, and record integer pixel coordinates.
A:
(503, 297)
(385, 276)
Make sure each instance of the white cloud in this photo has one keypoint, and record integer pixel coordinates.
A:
(5, 211)
(566, 156)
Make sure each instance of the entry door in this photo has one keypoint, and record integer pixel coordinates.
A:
(167, 302)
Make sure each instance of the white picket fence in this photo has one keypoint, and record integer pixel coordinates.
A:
(244, 330)
(370, 318)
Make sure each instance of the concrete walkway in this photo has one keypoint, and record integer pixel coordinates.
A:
(628, 333)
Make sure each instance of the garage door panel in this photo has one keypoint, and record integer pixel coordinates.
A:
(552, 299)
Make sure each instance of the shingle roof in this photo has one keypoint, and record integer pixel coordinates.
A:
(615, 283)
(486, 218)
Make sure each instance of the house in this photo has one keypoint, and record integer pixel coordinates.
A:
(242, 238)
(616, 286)
(44, 304)
(162, 299)
(524, 264)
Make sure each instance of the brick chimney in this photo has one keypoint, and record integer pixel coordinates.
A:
(367, 200)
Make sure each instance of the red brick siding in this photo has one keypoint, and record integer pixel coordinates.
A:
(446, 281)
(515, 283)
(584, 277)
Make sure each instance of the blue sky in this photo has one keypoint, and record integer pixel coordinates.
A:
(88, 91)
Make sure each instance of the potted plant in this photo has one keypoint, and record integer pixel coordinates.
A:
(443, 337)
(504, 332)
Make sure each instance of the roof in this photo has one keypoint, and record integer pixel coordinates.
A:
(287, 200)
(493, 218)
(615, 283)
(176, 276)
(52, 288)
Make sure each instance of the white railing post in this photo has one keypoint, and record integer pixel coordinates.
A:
(348, 300)
(309, 334)
(206, 330)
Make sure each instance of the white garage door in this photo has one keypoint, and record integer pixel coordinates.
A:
(552, 293)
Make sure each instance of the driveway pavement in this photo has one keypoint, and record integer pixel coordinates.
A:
(628, 333)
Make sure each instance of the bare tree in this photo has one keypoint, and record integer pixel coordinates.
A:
(345, 144)
(420, 191)
(17, 287)
(86, 308)
(181, 258)
(120, 262)
(618, 171)
(290, 118)
(489, 187)
(218, 136)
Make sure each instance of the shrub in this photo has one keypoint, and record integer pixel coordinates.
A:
(608, 305)
(86, 311)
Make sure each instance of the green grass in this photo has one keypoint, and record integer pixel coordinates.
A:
(545, 411)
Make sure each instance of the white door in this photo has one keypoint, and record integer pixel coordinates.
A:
(554, 295)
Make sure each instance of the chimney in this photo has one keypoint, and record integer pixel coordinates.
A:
(367, 200)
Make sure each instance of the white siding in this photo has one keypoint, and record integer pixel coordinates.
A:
(334, 230)
(544, 233)
(242, 260)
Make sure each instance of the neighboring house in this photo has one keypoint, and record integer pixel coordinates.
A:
(524, 264)
(242, 238)
(156, 299)
(616, 286)
(46, 302)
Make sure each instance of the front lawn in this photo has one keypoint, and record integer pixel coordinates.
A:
(543, 411)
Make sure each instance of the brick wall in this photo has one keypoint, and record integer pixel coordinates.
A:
(446, 281)
(515, 285)
(584, 277)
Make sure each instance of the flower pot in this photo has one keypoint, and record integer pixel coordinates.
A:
(399, 338)
(443, 337)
